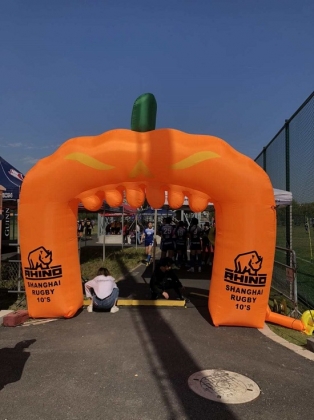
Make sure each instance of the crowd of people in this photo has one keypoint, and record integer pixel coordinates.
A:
(85, 228)
(176, 239)
(128, 230)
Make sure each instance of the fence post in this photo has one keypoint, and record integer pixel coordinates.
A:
(2, 189)
(288, 209)
(264, 159)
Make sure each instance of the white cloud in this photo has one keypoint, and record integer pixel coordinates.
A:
(29, 146)
(30, 160)
(14, 144)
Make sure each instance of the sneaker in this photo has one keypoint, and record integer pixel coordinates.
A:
(184, 298)
(191, 270)
(114, 309)
(199, 269)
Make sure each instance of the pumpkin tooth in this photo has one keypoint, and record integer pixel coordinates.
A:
(93, 202)
(135, 195)
(198, 202)
(114, 197)
(175, 198)
(155, 196)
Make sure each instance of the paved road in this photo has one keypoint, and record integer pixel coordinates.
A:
(135, 364)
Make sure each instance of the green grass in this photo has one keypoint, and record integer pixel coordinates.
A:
(118, 262)
(292, 336)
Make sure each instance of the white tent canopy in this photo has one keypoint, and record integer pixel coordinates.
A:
(282, 198)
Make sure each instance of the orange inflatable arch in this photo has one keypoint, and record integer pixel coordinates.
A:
(203, 168)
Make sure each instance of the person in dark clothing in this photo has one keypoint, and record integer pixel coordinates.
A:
(88, 228)
(205, 243)
(167, 241)
(195, 234)
(163, 279)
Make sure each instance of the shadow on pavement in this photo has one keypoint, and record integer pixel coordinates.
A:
(170, 360)
(12, 362)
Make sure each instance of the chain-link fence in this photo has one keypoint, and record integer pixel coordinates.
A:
(289, 161)
(284, 278)
(11, 275)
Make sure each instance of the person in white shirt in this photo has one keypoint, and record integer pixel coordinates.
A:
(138, 234)
(103, 291)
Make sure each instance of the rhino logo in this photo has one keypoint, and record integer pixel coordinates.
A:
(249, 262)
(39, 258)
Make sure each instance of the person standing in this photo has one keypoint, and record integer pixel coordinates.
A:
(88, 229)
(205, 243)
(138, 234)
(211, 238)
(167, 241)
(125, 233)
(80, 228)
(148, 238)
(195, 233)
(180, 238)
(103, 291)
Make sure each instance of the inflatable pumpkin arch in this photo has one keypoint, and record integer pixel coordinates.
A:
(148, 163)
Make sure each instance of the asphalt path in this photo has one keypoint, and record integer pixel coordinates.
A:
(135, 364)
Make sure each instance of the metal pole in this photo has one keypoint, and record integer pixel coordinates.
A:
(19, 250)
(155, 241)
(264, 159)
(1, 217)
(104, 239)
(310, 240)
(136, 231)
(287, 147)
(296, 312)
(122, 225)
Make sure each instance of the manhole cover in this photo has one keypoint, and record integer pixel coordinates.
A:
(223, 386)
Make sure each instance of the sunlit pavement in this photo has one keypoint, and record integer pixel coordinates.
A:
(135, 364)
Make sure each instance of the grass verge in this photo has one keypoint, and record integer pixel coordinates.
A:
(292, 336)
(118, 262)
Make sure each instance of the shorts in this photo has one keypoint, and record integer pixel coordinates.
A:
(181, 247)
(167, 246)
(149, 243)
(196, 246)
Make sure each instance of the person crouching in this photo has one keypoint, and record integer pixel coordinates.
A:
(164, 279)
(103, 291)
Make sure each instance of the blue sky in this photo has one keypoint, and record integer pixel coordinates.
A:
(235, 69)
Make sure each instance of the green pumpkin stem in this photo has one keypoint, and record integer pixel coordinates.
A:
(144, 113)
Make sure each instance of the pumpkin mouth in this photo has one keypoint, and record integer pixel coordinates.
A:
(135, 193)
